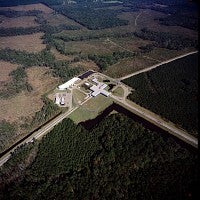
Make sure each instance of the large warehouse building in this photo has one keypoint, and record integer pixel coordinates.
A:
(68, 83)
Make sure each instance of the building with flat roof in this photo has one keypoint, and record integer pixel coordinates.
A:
(99, 88)
(68, 83)
(86, 74)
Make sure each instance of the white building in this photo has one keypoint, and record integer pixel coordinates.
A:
(99, 88)
(68, 83)
(57, 99)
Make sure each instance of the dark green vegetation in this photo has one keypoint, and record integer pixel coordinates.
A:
(44, 28)
(171, 91)
(119, 159)
(167, 40)
(103, 61)
(18, 83)
(48, 111)
(44, 58)
(91, 18)
(7, 131)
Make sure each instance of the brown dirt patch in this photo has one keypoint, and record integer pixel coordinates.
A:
(27, 104)
(38, 6)
(29, 43)
(87, 65)
(25, 22)
(5, 69)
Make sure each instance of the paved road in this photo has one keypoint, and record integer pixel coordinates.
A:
(167, 126)
(157, 65)
(40, 133)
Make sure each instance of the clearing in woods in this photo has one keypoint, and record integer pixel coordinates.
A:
(6, 68)
(25, 22)
(38, 6)
(29, 43)
(26, 104)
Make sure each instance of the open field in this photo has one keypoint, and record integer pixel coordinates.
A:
(129, 65)
(146, 19)
(91, 109)
(86, 65)
(27, 104)
(99, 46)
(29, 43)
(5, 69)
(38, 6)
(41, 79)
(25, 22)
(119, 91)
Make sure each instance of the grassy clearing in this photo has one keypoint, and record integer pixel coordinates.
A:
(38, 6)
(91, 109)
(165, 54)
(129, 65)
(6, 68)
(78, 96)
(99, 46)
(29, 43)
(25, 22)
(26, 104)
(119, 91)
(86, 65)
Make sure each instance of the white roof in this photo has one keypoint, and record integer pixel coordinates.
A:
(99, 89)
(68, 83)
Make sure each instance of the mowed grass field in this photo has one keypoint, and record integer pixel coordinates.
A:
(29, 43)
(91, 109)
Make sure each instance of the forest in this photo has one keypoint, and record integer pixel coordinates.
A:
(7, 131)
(167, 40)
(92, 18)
(170, 91)
(118, 159)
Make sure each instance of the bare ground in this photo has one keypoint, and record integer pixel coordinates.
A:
(26, 104)
(38, 6)
(29, 43)
(25, 22)
(5, 69)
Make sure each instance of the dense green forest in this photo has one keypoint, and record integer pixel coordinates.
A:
(170, 90)
(92, 18)
(119, 159)
(166, 40)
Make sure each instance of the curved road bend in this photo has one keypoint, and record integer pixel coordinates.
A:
(157, 65)
(41, 132)
(181, 134)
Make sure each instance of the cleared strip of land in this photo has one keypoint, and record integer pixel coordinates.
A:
(157, 65)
